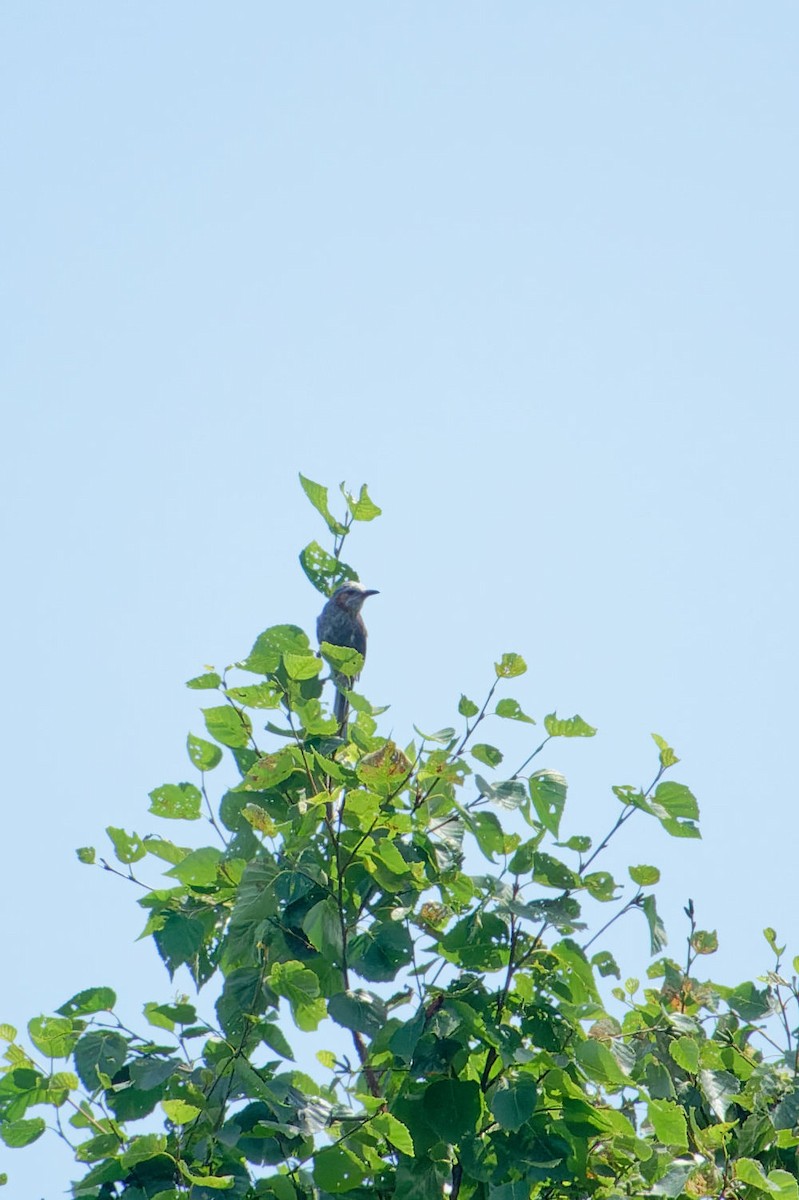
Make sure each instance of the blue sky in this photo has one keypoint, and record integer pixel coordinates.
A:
(529, 270)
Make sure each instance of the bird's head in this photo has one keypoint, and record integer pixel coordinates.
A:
(350, 596)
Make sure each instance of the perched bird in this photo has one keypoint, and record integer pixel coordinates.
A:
(340, 623)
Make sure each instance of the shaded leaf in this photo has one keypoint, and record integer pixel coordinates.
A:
(100, 1051)
(452, 1106)
(337, 1170)
(513, 1102)
(359, 1010)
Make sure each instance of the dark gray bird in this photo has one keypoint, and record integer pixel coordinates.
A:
(340, 623)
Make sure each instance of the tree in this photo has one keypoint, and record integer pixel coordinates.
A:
(479, 1048)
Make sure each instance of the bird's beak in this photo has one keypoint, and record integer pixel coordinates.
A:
(371, 592)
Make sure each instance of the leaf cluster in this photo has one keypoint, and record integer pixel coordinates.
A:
(421, 905)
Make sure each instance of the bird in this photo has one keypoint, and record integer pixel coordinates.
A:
(340, 623)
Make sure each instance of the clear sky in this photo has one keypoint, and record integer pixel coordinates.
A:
(529, 269)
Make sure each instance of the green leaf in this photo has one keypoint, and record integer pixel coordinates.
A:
(259, 819)
(394, 1132)
(513, 1102)
(512, 711)
(91, 1000)
(302, 666)
(509, 666)
(180, 1112)
(508, 794)
(325, 572)
(257, 695)
(606, 964)
(149, 1073)
(719, 1089)
(379, 952)
(317, 494)
(269, 771)
(87, 855)
(600, 1064)
(491, 838)
(567, 726)
(551, 872)
(178, 940)
(176, 802)
(601, 885)
(99, 1052)
(644, 876)
(273, 1037)
(667, 756)
(228, 725)
(143, 1149)
(322, 927)
(748, 1001)
(201, 682)
(771, 937)
(452, 1106)
(677, 800)
(164, 849)
(204, 755)
(442, 736)
(786, 1114)
(548, 794)
(23, 1132)
(705, 941)
(358, 1010)
(54, 1036)
(518, 1189)
(343, 659)
(668, 1121)
(337, 1170)
(214, 1183)
(128, 847)
(487, 754)
(521, 862)
(271, 645)
(198, 868)
(300, 986)
(778, 1183)
(685, 1052)
(467, 708)
(362, 509)
(657, 930)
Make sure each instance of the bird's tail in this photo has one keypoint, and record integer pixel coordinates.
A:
(341, 708)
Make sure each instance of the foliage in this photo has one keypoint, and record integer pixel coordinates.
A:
(477, 1047)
